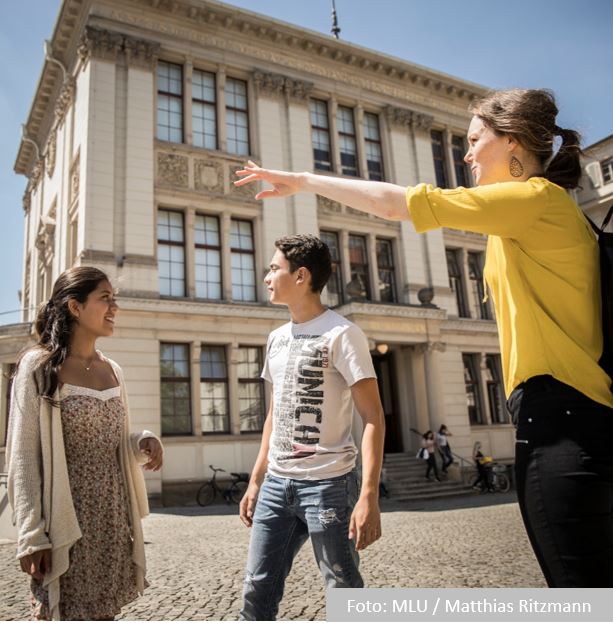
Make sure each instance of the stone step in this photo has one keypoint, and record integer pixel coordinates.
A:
(433, 495)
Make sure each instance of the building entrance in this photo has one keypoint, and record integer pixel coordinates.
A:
(384, 367)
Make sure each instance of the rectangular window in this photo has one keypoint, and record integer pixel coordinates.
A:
(475, 274)
(346, 141)
(385, 266)
(242, 260)
(335, 283)
(456, 281)
(461, 170)
(438, 154)
(208, 257)
(171, 253)
(237, 117)
(607, 171)
(320, 135)
(473, 395)
(204, 112)
(214, 390)
(170, 102)
(175, 389)
(251, 389)
(495, 390)
(372, 144)
(358, 263)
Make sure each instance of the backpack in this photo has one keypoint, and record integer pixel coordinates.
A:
(605, 245)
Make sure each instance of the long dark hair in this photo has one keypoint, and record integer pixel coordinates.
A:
(529, 116)
(54, 324)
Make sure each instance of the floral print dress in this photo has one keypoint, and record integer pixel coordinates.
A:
(101, 577)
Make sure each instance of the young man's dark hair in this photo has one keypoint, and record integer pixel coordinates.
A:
(305, 250)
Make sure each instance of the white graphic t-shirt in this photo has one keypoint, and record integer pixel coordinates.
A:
(312, 367)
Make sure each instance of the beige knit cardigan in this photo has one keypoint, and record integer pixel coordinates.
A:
(38, 485)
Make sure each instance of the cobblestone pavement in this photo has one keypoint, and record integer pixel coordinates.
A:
(196, 559)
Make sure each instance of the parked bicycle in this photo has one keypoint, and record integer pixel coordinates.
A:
(232, 494)
(499, 479)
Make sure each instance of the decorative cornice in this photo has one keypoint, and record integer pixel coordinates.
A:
(65, 99)
(99, 43)
(469, 325)
(51, 151)
(141, 53)
(406, 118)
(277, 85)
(430, 347)
(391, 310)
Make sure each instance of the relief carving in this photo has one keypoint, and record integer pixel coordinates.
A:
(329, 206)
(172, 170)
(141, 53)
(64, 99)
(99, 43)
(277, 85)
(406, 118)
(74, 181)
(208, 175)
(27, 201)
(243, 192)
(51, 151)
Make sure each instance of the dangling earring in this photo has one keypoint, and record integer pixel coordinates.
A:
(515, 167)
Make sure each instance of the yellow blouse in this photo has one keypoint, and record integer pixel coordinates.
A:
(543, 272)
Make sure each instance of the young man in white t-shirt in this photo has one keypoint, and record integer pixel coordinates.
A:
(304, 482)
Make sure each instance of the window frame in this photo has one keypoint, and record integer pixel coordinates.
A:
(367, 284)
(180, 98)
(458, 151)
(172, 243)
(477, 287)
(240, 110)
(460, 295)
(337, 267)
(176, 379)
(219, 249)
(378, 142)
(391, 269)
(327, 131)
(474, 372)
(353, 136)
(252, 381)
(606, 168)
(245, 252)
(495, 389)
(218, 380)
(435, 141)
(205, 103)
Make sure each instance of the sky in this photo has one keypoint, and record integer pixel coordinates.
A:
(564, 45)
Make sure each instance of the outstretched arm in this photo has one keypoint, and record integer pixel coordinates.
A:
(379, 198)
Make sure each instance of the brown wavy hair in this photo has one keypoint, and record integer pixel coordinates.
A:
(529, 116)
(54, 324)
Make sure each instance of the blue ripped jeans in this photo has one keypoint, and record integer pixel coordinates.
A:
(287, 513)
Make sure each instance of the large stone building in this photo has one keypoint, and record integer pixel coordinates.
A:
(143, 111)
(596, 193)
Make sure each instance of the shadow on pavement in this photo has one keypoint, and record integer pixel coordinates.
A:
(387, 506)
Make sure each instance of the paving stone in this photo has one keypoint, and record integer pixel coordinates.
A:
(196, 559)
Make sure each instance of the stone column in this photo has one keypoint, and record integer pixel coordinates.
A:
(188, 70)
(434, 384)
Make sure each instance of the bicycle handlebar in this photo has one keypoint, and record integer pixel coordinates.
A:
(217, 469)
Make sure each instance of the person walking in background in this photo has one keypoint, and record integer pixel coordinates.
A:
(74, 479)
(428, 446)
(304, 482)
(442, 443)
(542, 268)
(483, 481)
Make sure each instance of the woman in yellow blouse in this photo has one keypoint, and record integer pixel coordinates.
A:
(542, 269)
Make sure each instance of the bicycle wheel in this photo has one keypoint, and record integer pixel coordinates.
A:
(503, 483)
(206, 494)
(237, 490)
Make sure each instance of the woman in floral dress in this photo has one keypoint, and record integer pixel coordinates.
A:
(75, 483)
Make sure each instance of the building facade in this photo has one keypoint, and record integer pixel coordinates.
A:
(596, 193)
(143, 112)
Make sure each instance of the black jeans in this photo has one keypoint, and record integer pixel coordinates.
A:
(564, 475)
(431, 463)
